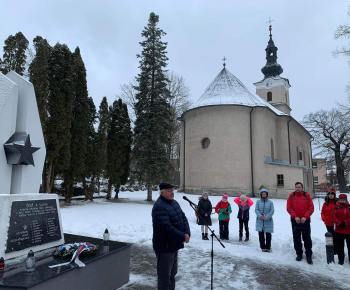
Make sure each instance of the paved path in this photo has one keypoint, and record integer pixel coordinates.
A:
(231, 274)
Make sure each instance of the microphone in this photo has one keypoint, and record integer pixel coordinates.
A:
(185, 198)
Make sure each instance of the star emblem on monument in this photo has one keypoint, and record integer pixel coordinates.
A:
(19, 149)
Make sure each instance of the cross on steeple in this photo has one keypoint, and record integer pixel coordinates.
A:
(224, 59)
(270, 26)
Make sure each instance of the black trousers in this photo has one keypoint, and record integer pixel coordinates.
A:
(264, 245)
(166, 270)
(331, 230)
(304, 233)
(341, 238)
(245, 222)
(223, 225)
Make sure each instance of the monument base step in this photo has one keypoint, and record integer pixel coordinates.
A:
(108, 269)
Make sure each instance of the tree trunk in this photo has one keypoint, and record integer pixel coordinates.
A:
(92, 188)
(98, 186)
(86, 190)
(341, 178)
(149, 193)
(109, 190)
(69, 190)
(117, 189)
(340, 170)
(49, 177)
(43, 179)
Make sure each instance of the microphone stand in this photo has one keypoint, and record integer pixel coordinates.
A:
(194, 206)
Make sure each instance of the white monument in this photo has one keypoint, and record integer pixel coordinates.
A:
(28, 220)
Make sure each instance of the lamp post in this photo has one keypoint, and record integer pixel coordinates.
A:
(329, 247)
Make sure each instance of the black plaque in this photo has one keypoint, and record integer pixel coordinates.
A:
(32, 223)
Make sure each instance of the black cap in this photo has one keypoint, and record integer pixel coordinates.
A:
(164, 185)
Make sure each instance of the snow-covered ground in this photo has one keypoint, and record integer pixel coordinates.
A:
(129, 220)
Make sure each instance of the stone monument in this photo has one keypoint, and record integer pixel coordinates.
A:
(28, 220)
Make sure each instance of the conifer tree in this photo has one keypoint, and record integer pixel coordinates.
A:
(118, 147)
(38, 76)
(103, 117)
(60, 108)
(92, 158)
(124, 143)
(14, 57)
(151, 133)
(79, 126)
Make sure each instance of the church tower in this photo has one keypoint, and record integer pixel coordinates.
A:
(274, 89)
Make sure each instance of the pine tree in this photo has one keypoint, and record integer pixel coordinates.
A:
(14, 57)
(79, 126)
(151, 133)
(60, 108)
(101, 152)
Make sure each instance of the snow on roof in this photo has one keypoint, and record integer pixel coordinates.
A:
(226, 89)
(5, 88)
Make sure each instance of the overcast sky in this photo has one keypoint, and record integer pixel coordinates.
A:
(199, 34)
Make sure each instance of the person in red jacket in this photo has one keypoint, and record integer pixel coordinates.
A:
(300, 207)
(342, 226)
(223, 208)
(327, 214)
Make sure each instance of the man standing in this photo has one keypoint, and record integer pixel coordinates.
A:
(170, 231)
(300, 207)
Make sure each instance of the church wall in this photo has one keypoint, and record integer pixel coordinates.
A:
(225, 164)
(278, 94)
(268, 126)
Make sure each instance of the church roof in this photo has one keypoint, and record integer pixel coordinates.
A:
(226, 89)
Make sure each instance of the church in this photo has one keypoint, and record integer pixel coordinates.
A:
(236, 141)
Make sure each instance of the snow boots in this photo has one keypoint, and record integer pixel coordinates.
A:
(205, 236)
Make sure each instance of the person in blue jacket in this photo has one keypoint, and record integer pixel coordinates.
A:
(170, 231)
(264, 210)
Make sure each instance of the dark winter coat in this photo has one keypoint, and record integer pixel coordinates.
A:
(169, 226)
(204, 207)
(243, 208)
(264, 206)
(342, 214)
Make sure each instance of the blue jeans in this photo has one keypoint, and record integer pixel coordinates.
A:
(166, 270)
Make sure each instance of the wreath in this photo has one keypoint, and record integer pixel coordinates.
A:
(67, 250)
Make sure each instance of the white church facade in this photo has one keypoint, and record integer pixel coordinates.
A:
(236, 141)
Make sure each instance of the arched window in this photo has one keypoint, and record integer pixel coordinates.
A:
(269, 96)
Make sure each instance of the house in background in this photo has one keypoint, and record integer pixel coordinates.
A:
(319, 166)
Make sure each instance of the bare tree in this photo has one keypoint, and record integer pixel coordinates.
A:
(127, 94)
(331, 132)
(343, 32)
(179, 102)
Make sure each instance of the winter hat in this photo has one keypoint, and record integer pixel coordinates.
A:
(264, 190)
(205, 193)
(225, 196)
(343, 196)
(243, 198)
(165, 185)
(332, 191)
